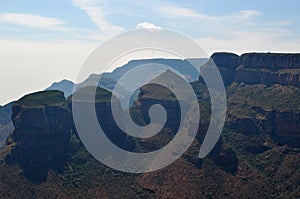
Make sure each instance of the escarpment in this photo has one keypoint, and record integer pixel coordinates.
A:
(259, 68)
(42, 133)
(257, 154)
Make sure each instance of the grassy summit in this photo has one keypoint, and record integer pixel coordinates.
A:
(43, 98)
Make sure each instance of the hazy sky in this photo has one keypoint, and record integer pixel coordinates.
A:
(42, 41)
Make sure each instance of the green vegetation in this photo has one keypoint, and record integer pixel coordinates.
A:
(43, 98)
(264, 168)
(276, 97)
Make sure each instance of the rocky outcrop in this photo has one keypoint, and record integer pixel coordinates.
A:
(279, 123)
(152, 94)
(227, 64)
(247, 161)
(103, 101)
(269, 69)
(288, 124)
(259, 68)
(42, 133)
(259, 109)
(271, 61)
(289, 77)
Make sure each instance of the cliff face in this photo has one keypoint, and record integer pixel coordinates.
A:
(289, 77)
(256, 156)
(259, 68)
(272, 61)
(42, 133)
(262, 91)
(103, 101)
(277, 123)
(260, 109)
(227, 64)
(150, 95)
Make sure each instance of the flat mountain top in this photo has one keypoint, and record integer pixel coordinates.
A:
(42, 98)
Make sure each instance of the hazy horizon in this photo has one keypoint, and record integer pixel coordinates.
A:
(42, 42)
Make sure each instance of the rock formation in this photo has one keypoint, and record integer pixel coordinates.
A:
(42, 133)
(259, 68)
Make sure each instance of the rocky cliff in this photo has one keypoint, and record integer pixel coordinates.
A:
(271, 61)
(259, 68)
(227, 64)
(103, 101)
(42, 133)
(263, 92)
(256, 156)
(259, 109)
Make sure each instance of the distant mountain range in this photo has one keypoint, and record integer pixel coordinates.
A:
(257, 155)
(109, 80)
(66, 86)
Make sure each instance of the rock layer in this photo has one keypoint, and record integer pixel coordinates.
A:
(259, 68)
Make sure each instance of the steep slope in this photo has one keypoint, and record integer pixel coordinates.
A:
(41, 135)
(103, 101)
(259, 68)
(257, 155)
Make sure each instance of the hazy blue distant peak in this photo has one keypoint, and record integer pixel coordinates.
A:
(65, 86)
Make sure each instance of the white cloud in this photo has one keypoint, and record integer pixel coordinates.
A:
(245, 14)
(32, 21)
(177, 12)
(239, 32)
(148, 26)
(94, 9)
(172, 11)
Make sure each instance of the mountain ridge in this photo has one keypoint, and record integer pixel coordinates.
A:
(256, 156)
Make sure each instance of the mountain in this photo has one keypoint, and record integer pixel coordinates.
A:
(257, 155)
(65, 86)
(6, 125)
(184, 67)
(42, 133)
(109, 80)
(259, 68)
(95, 80)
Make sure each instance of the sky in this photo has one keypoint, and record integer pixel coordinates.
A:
(43, 41)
